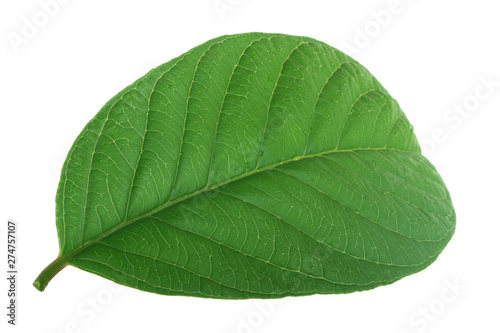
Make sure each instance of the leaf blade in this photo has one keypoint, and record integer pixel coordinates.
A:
(247, 114)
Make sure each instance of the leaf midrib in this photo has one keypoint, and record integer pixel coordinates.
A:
(67, 257)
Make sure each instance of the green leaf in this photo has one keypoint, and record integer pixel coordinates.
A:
(253, 166)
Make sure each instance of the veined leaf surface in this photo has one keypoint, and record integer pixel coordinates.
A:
(252, 166)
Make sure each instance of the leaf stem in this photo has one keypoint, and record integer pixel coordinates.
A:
(49, 272)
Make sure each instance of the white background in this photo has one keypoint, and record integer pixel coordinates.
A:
(433, 57)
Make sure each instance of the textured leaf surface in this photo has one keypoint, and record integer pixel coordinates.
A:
(252, 166)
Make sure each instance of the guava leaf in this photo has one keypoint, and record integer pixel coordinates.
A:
(253, 166)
